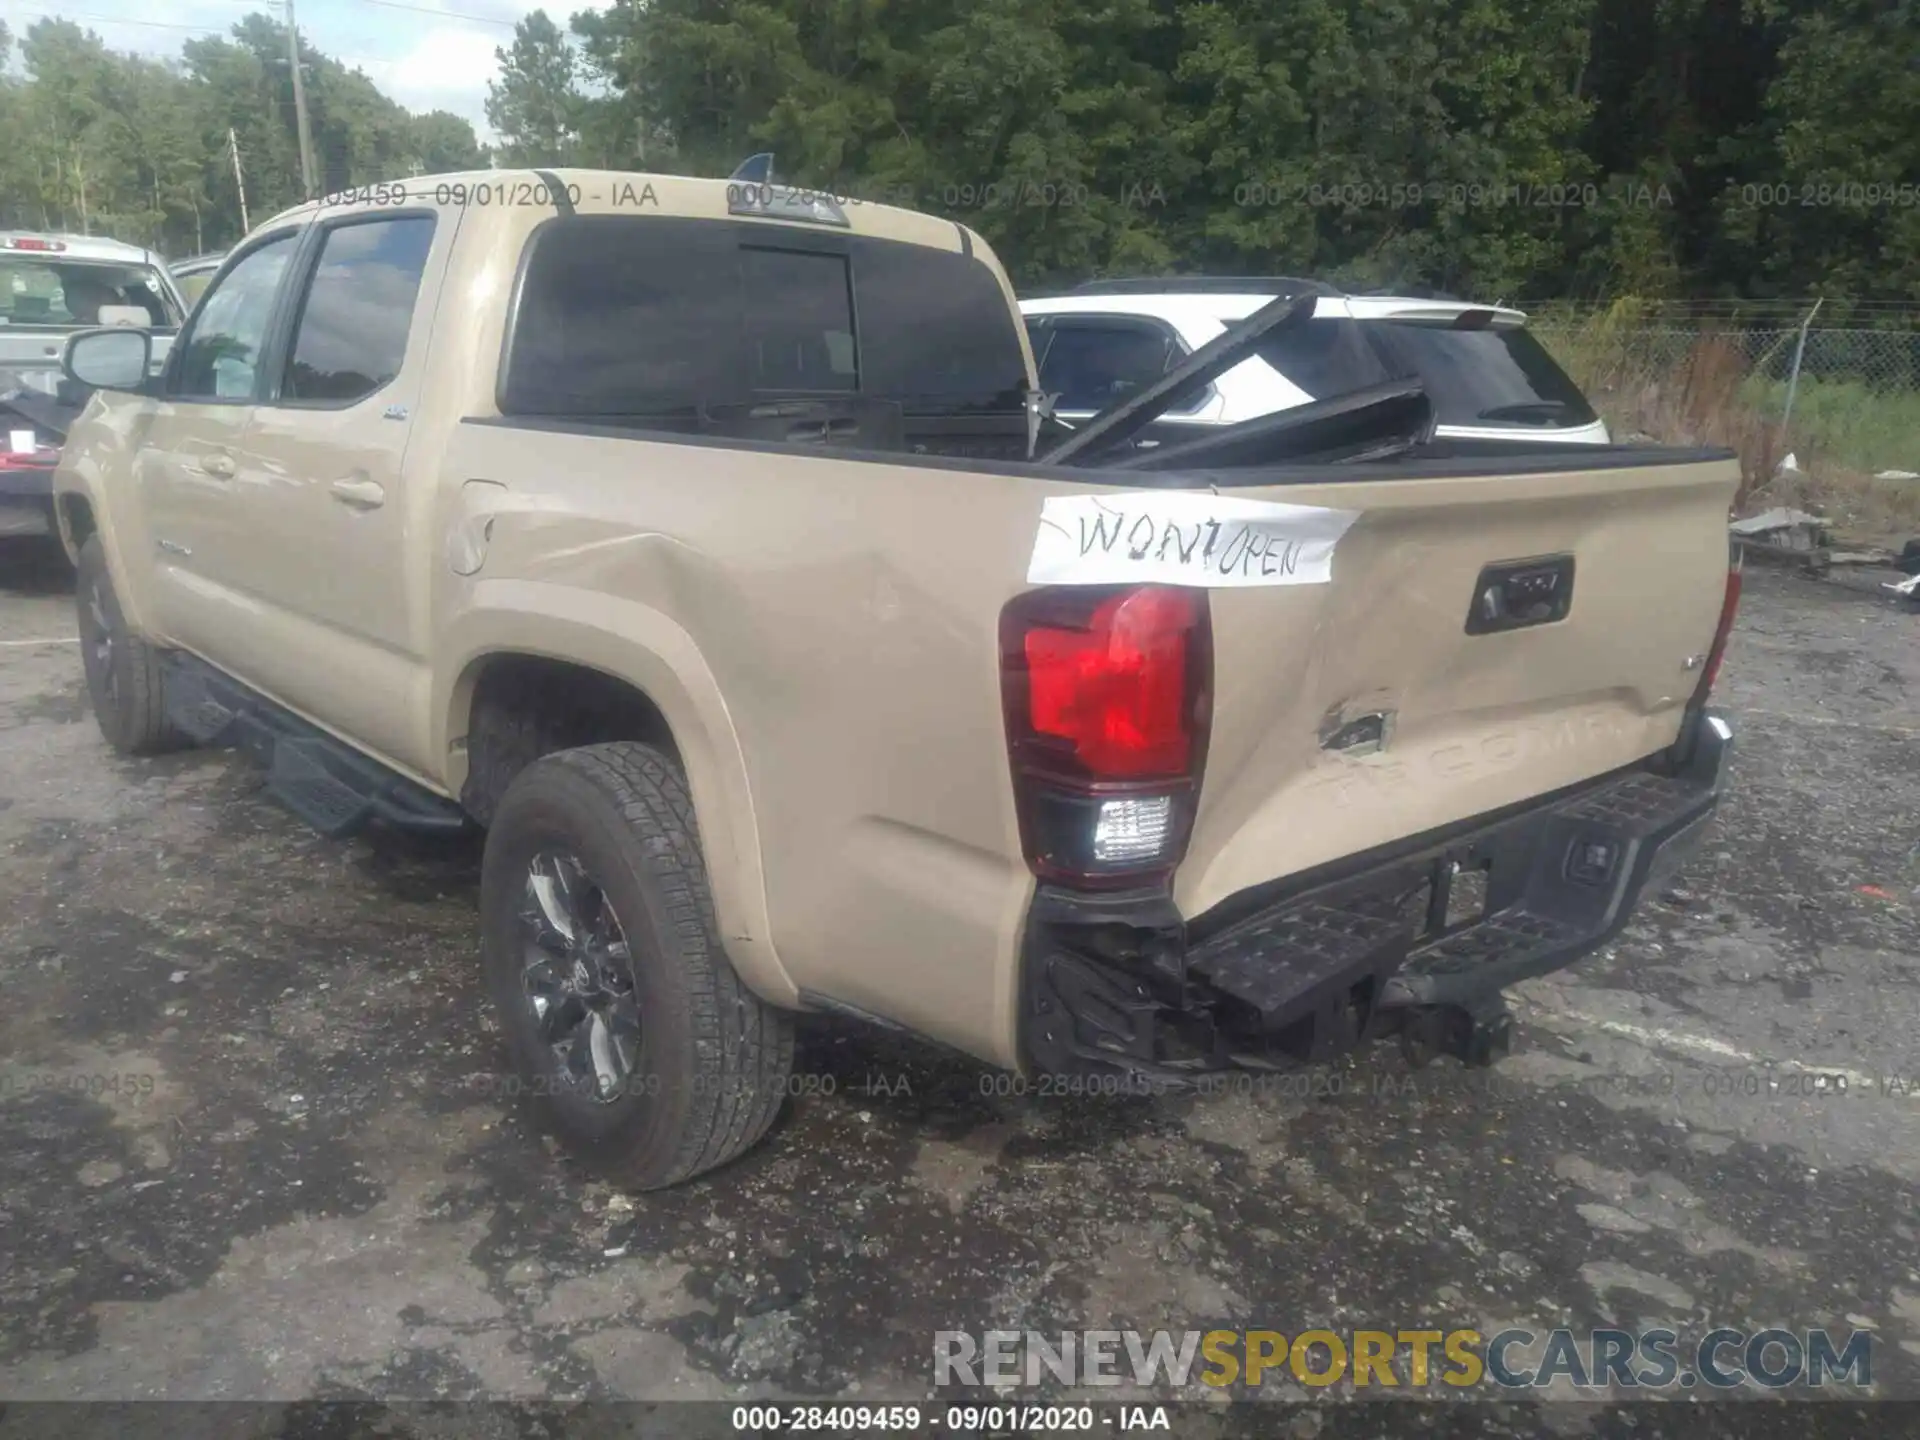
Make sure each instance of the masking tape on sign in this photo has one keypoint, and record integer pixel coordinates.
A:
(1180, 537)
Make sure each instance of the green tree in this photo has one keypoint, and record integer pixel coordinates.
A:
(440, 143)
(536, 104)
(116, 144)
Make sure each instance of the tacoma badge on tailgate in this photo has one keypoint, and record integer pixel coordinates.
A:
(1517, 593)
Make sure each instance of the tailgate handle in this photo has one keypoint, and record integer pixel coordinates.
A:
(1513, 594)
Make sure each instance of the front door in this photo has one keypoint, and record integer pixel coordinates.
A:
(323, 487)
(193, 447)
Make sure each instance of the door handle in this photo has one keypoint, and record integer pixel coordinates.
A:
(220, 467)
(360, 494)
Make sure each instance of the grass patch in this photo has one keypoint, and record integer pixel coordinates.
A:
(1848, 423)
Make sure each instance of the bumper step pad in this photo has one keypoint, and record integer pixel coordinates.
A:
(1376, 947)
(1314, 968)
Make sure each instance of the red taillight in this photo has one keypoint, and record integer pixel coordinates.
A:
(1107, 694)
(1116, 691)
(1718, 650)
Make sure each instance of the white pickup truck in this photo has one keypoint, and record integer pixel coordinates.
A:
(51, 286)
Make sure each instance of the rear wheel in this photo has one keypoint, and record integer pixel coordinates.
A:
(123, 672)
(637, 1040)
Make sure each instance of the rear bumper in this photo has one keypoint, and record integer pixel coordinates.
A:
(1417, 940)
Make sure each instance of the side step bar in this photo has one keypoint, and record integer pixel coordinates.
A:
(324, 781)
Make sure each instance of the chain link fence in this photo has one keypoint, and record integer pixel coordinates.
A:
(1845, 398)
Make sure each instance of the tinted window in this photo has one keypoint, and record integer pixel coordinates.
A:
(936, 330)
(1324, 357)
(352, 334)
(799, 320)
(645, 316)
(623, 316)
(221, 353)
(1483, 377)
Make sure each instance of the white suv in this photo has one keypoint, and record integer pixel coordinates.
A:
(1487, 377)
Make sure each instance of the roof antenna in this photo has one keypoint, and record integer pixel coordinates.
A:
(755, 170)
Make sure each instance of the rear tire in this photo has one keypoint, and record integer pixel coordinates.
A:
(124, 678)
(639, 1044)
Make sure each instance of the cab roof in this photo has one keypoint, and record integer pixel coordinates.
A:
(617, 192)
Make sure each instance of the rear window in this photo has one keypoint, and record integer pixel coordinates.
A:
(52, 292)
(1473, 377)
(799, 332)
(1325, 358)
(645, 316)
(1483, 377)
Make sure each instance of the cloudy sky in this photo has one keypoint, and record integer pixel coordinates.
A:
(427, 54)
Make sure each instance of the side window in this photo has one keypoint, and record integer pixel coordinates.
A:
(351, 337)
(799, 320)
(221, 352)
(1092, 364)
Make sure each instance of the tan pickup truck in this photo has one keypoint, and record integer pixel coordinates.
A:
(709, 545)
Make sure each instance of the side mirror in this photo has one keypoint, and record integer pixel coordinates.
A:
(109, 359)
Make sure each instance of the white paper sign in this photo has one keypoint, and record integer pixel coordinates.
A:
(21, 442)
(1184, 537)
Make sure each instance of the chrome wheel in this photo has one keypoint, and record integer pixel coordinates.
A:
(577, 977)
(99, 642)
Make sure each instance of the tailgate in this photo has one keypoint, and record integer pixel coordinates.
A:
(30, 359)
(1362, 711)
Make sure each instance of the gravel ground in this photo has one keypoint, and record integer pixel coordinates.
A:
(300, 1176)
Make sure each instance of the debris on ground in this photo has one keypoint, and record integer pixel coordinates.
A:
(1910, 587)
(1897, 475)
(1785, 534)
(1860, 557)
(1799, 529)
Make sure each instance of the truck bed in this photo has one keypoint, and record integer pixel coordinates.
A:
(847, 603)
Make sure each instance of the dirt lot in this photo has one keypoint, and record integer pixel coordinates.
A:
(255, 1143)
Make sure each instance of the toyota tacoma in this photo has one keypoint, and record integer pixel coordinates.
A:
(711, 545)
